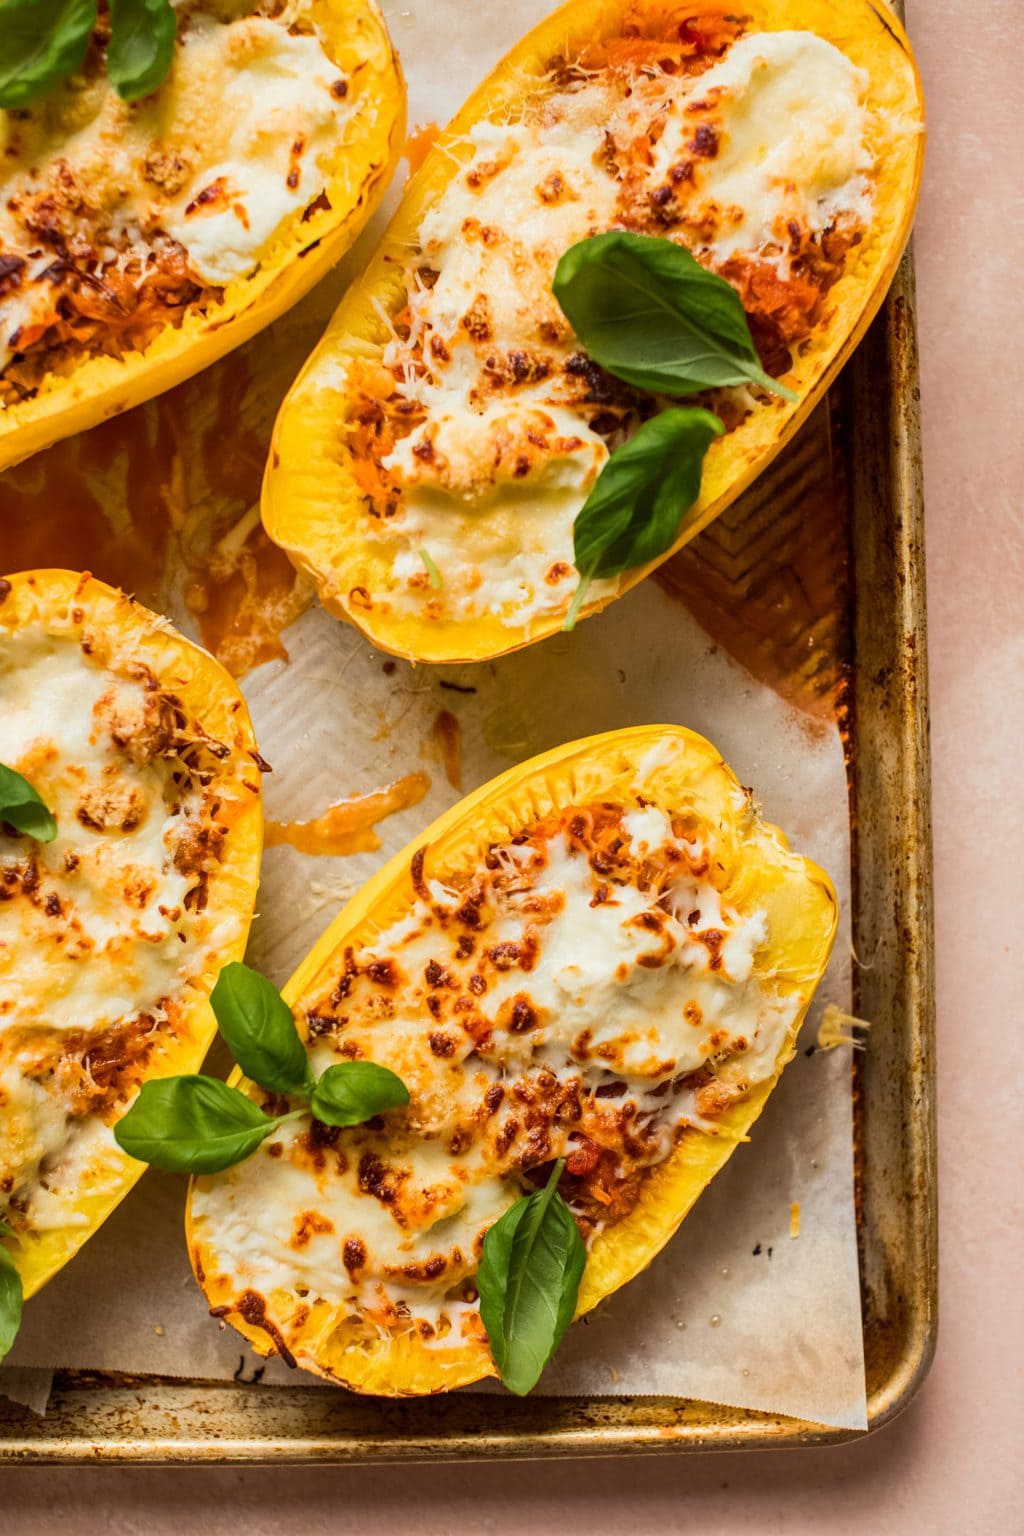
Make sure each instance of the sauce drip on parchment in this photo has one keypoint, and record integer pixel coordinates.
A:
(163, 502)
(419, 144)
(99, 502)
(447, 738)
(349, 825)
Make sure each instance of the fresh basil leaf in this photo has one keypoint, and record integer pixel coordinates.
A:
(633, 513)
(257, 1024)
(355, 1091)
(529, 1281)
(41, 41)
(10, 1302)
(648, 312)
(192, 1124)
(141, 46)
(636, 509)
(22, 807)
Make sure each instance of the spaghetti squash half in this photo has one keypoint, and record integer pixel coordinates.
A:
(141, 241)
(112, 933)
(604, 955)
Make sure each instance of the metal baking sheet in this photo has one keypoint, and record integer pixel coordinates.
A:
(872, 641)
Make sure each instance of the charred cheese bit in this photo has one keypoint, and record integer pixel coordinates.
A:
(491, 427)
(116, 218)
(104, 930)
(588, 993)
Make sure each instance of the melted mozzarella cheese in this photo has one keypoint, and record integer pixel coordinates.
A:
(788, 109)
(112, 949)
(602, 1006)
(492, 480)
(488, 487)
(518, 526)
(277, 121)
(531, 191)
(96, 931)
(256, 1212)
(54, 1158)
(624, 989)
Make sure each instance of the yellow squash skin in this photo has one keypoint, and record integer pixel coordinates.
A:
(311, 502)
(364, 160)
(72, 604)
(799, 901)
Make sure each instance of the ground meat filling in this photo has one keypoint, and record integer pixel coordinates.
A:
(98, 308)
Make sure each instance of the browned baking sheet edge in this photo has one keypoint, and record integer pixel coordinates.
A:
(147, 1419)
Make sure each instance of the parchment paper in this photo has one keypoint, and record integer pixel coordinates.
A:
(735, 1310)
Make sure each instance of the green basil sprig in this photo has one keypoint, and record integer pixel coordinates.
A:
(23, 808)
(41, 42)
(10, 1296)
(529, 1281)
(649, 313)
(197, 1124)
(635, 511)
(141, 46)
(44, 41)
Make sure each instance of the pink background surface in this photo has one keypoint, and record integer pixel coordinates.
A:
(952, 1462)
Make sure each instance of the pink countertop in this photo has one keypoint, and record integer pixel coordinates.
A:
(951, 1463)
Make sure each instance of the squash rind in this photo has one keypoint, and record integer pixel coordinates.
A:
(365, 159)
(52, 597)
(802, 912)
